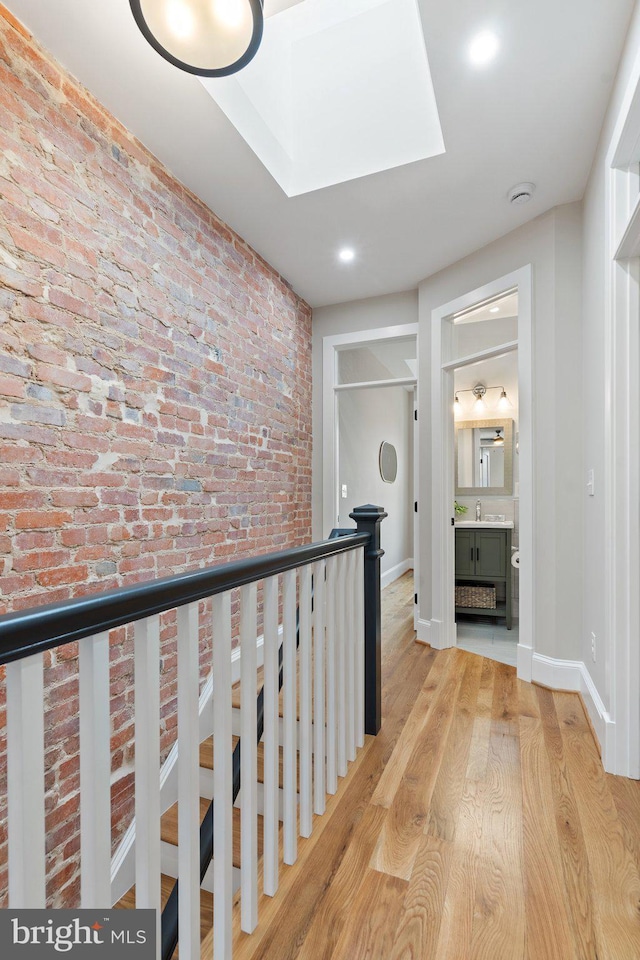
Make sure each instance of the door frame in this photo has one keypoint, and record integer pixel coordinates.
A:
(442, 626)
(621, 742)
(331, 345)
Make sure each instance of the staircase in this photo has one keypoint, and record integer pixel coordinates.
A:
(278, 753)
(169, 820)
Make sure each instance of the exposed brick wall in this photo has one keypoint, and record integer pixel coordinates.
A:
(155, 397)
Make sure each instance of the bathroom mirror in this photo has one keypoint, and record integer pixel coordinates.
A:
(484, 458)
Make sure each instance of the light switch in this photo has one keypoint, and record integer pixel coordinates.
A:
(590, 484)
(344, 491)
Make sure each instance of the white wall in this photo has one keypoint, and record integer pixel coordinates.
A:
(552, 245)
(595, 268)
(366, 418)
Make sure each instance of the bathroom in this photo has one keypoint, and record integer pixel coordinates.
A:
(486, 490)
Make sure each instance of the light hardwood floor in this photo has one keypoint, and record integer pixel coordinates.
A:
(479, 825)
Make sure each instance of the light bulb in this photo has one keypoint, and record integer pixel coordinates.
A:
(347, 255)
(503, 402)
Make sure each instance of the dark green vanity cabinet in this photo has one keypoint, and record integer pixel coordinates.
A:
(483, 556)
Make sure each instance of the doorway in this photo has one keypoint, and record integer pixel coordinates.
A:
(486, 485)
(370, 381)
(457, 344)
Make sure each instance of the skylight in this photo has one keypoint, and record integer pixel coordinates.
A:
(339, 89)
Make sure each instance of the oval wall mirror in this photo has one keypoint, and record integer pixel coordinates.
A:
(388, 462)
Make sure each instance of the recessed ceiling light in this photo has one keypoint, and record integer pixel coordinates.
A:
(347, 255)
(483, 48)
(494, 310)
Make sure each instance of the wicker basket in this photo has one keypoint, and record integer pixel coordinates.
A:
(484, 598)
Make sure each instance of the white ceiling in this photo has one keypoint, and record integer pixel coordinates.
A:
(533, 114)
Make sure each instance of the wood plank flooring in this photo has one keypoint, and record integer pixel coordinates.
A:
(478, 825)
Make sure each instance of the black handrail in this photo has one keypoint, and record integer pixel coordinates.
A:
(37, 629)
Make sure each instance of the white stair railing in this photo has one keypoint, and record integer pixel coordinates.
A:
(327, 678)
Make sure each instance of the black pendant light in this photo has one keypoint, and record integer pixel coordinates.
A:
(209, 38)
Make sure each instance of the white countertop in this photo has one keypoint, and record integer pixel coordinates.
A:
(485, 524)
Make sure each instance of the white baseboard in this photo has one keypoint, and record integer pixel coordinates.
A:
(574, 675)
(524, 662)
(432, 632)
(396, 572)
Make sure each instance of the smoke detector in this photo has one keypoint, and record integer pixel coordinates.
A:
(521, 193)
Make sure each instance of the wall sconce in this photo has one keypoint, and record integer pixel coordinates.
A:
(209, 38)
(479, 392)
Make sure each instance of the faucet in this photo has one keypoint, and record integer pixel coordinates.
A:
(478, 510)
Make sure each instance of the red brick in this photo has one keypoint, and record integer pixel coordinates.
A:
(42, 520)
(9, 477)
(63, 378)
(48, 353)
(54, 578)
(73, 537)
(39, 560)
(74, 498)
(14, 22)
(30, 243)
(12, 387)
(20, 454)
(21, 500)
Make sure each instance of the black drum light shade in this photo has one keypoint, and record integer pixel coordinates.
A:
(209, 38)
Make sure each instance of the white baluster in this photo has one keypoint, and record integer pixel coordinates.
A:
(147, 727)
(359, 602)
(318, 682)
(25, 783)
(306, 783)
(188, 784)
(350, 651)
(341, 640)
(95, 773)
(248, 761)
(271, 737)
(331, 624)
(290, 718)
(222, 780)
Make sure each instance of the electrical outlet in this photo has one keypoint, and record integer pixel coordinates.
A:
(593, 647)
(344, 491)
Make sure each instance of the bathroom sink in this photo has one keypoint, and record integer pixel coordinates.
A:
(485, 524)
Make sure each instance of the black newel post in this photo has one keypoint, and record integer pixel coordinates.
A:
(368, 519)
